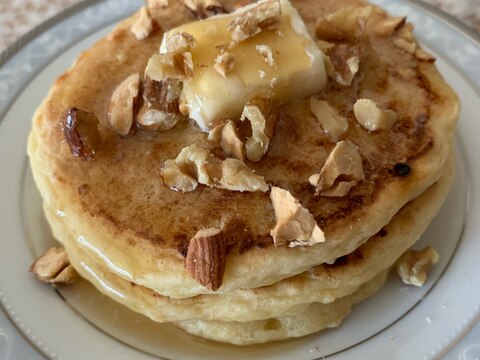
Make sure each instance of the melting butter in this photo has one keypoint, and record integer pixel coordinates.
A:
(297, 71)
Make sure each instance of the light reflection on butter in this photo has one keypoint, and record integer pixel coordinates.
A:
(114, 267)
(103, 283)
(299, 69)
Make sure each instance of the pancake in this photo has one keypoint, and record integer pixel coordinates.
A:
(315, 318)
(119, 206)
(289, 297)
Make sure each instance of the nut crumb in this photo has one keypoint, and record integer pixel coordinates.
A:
(333, 123)
(263, 119)
(144, 25)
(344, 163)
(123, 105)
(180, 42)
(203, 9)
(294, 224)
(387, 26)
(206, 257)
(413, 265)
(80, 129)
(372, 117)
(266, 52)
(54, 268)
(230, 141)
(224, 63)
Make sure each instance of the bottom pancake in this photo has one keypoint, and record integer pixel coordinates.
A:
(291, 296)
(315, 318)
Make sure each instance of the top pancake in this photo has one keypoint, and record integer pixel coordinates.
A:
(118, 204)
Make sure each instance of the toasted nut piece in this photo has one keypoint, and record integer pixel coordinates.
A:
(369, 114)
(332, 122)
(230, 174)
(123, 104)
(343, 162)
(314, 179)
(187, 66)
(176, 179)
(224, 63)
(264, 16)
(422, 55)
(345, 24)
(408, 46)
(413, 265)
(294, 224)
(206, 257)
(387, 26)
(263, 118)
(157, 120)
(237, 176)
(53, 267)
(80, 129)
(204, 8)
(143, 26)
(266, 52)
(343, 63)
(215, 132)
(180, 42)
(230, 141)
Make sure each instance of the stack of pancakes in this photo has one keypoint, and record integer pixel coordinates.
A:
(128, 233)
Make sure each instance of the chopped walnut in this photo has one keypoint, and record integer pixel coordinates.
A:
(314, 179)
(124, 104)
(263, 119)
(387, 26)
(342, 170)
(229, 174)
(204, 8)
(405, 40)
(342, 63)
(294, 224)
(230, 141)
(206, 256)
(215, 131)
(144, 25)
(160, 111)
(265, 16)
(413, 265)
(53, 267)
(180, 42)
(266, 52)
(372, 117)
(176, 178)
(80, 129)
(333, 123)
(224, 63)
(345, 24)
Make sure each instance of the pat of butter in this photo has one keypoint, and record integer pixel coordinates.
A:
(297, 69)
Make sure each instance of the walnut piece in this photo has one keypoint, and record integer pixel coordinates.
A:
(206, 257)
(372, 117)
(342, 63)
(180, 42)
(204, 8)
(266, 52)
(422, 55)
(53, 267)
(123, 104)
(342, 170)
(207, 169)
(413, 265)
(160, 111)
(224, 63)
(144, 25)
(333, 123)
(230, 141)
(265, 16)
(294, 224)
(404, 39)
(263, 119)
(347, 23)
(387, 26)
(177, 178)
(80, 129)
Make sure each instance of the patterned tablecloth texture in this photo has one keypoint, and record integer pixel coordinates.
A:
(17, 17)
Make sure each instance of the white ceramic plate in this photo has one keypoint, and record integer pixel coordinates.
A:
(77, 323)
